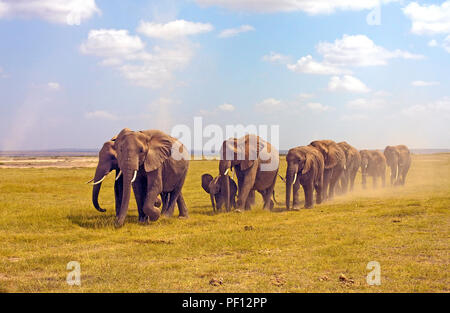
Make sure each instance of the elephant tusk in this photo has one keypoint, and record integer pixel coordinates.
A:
(226, 172)
(98, 182)
(118, 176)
(134, 177)
(295, 177)
(90, 181)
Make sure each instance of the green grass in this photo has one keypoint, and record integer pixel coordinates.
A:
(47, 220)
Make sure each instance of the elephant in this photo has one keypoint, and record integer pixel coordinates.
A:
(216, 187)
(305, 166)
(334, 158)
(107, 162)
(373, 163)
(155, 164)
(255, 162)
(398, 158)
(353, 162)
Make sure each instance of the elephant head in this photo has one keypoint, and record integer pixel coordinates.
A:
(242, 152)
(107, 161)
(147, 149)
(332, 154)
(216, 187)
(365, 160)
(298, 161)
(392, 157)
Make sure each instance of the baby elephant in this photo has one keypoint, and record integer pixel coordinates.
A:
(216, 187)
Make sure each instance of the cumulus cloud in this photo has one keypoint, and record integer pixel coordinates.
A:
(103, 115)
(53, 86)
(347, 83)
(318, 107)
(312, 7)
(173, 30)
(421, 83)
(127, 54)
(366, 104)
(226, 107)
(348, 51)
(429, 19)
(432, 43)
(231, 32)
(274, 57)
(269, 105)
(71, 12)
(309, 66)
(441, 107)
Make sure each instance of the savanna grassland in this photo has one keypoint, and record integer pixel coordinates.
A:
(47, 220)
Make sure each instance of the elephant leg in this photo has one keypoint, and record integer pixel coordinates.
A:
(139, 188)
(268, 202)
(173, 198)
(383, 179)
(336, 173)
(118, 190)
(308, 189)
(374, 179)
(295, 194)
(165, 201)
(352, 178)
(182, 208)
(326, 182)
(318, 188)
(245, 188)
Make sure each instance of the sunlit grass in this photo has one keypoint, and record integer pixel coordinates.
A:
(47, 220)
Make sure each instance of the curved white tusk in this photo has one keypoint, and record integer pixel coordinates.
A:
(295, 177)
(118, 176)
(98, 182)
(134, 177)
(90, 181)
(226, 172)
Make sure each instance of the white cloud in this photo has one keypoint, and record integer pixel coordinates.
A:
(429, 19)
(446, 44)
(366, 104)
(104, 115)
(269, 105)
(53, 86)
(432, 43)
(127, 54)
(71, 12)
(173, 30)
(305, 96)
(230, 32)
(359, 50)
(309, 66)
(440, 107)
(226, 107)
(274, 57)
(318, 107)
(347, 83)
(421, 83)
(354, 117)
(309, 6)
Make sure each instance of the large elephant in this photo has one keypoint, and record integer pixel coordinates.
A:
(216, 187)
(373, 163)
(398, 158)
(353, 162)
(255, 162)
(107, 162)
(334, 159)
(156, 164)
(305, 166)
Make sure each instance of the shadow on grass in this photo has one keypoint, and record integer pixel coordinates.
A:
(98, 221)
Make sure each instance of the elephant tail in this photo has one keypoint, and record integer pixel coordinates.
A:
(274, 199)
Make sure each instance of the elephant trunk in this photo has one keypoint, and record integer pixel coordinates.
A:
(127, 181)
(99, 175)
(224, 167)
(212, 201)
(289, 183)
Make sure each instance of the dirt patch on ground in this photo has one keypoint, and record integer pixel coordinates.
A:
(43, 162)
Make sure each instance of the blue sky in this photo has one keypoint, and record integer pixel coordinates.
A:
(74, 73)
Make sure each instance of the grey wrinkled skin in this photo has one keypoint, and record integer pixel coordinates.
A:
(334, 158)
(398, 158)
(149, 152)
(373, 163)
(216, 188)
(306, 163)
(247, 156)
(353, 162)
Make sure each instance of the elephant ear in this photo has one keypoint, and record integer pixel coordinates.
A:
(159, 149)
(332, 157)
(206, 180)
(308, 164)
(251, 147)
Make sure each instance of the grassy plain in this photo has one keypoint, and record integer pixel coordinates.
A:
(47, 220)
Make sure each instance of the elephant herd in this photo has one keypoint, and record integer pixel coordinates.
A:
(154, 164)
